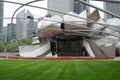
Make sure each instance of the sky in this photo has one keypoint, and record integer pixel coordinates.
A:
(10, 8)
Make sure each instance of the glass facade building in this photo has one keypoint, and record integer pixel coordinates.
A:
(11, 28)
(1, 20)
(65, 6)
(79, 7)
(113, 7)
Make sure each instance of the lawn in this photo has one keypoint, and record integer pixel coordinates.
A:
(59, 70)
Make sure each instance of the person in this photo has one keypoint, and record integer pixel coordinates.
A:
(53, 47)
(62, 26)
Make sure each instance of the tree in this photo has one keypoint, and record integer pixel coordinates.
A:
(11, 47)
(1, 46)
(25, 42)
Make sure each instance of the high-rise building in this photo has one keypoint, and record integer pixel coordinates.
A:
(24, 25)
(4, 33)
(35, 28)
(79, 7)
(65, 6)
(1, 19)
(113, 7)
(11, 35)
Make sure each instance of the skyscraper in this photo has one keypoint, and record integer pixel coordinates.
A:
(11, 28)
(24, 25)
(113, 7)
(4, 33)
(35, 28)
(79, 7)
(65, 6)
(1, 19)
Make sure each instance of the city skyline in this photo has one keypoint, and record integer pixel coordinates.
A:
(10, 8)
(13, 7)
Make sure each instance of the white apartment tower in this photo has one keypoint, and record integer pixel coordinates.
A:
(24, 25)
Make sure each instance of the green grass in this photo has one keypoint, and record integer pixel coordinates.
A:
(59, 70)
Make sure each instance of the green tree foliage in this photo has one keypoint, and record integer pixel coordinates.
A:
(1, 46)
(12, 47)
(25, 42)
